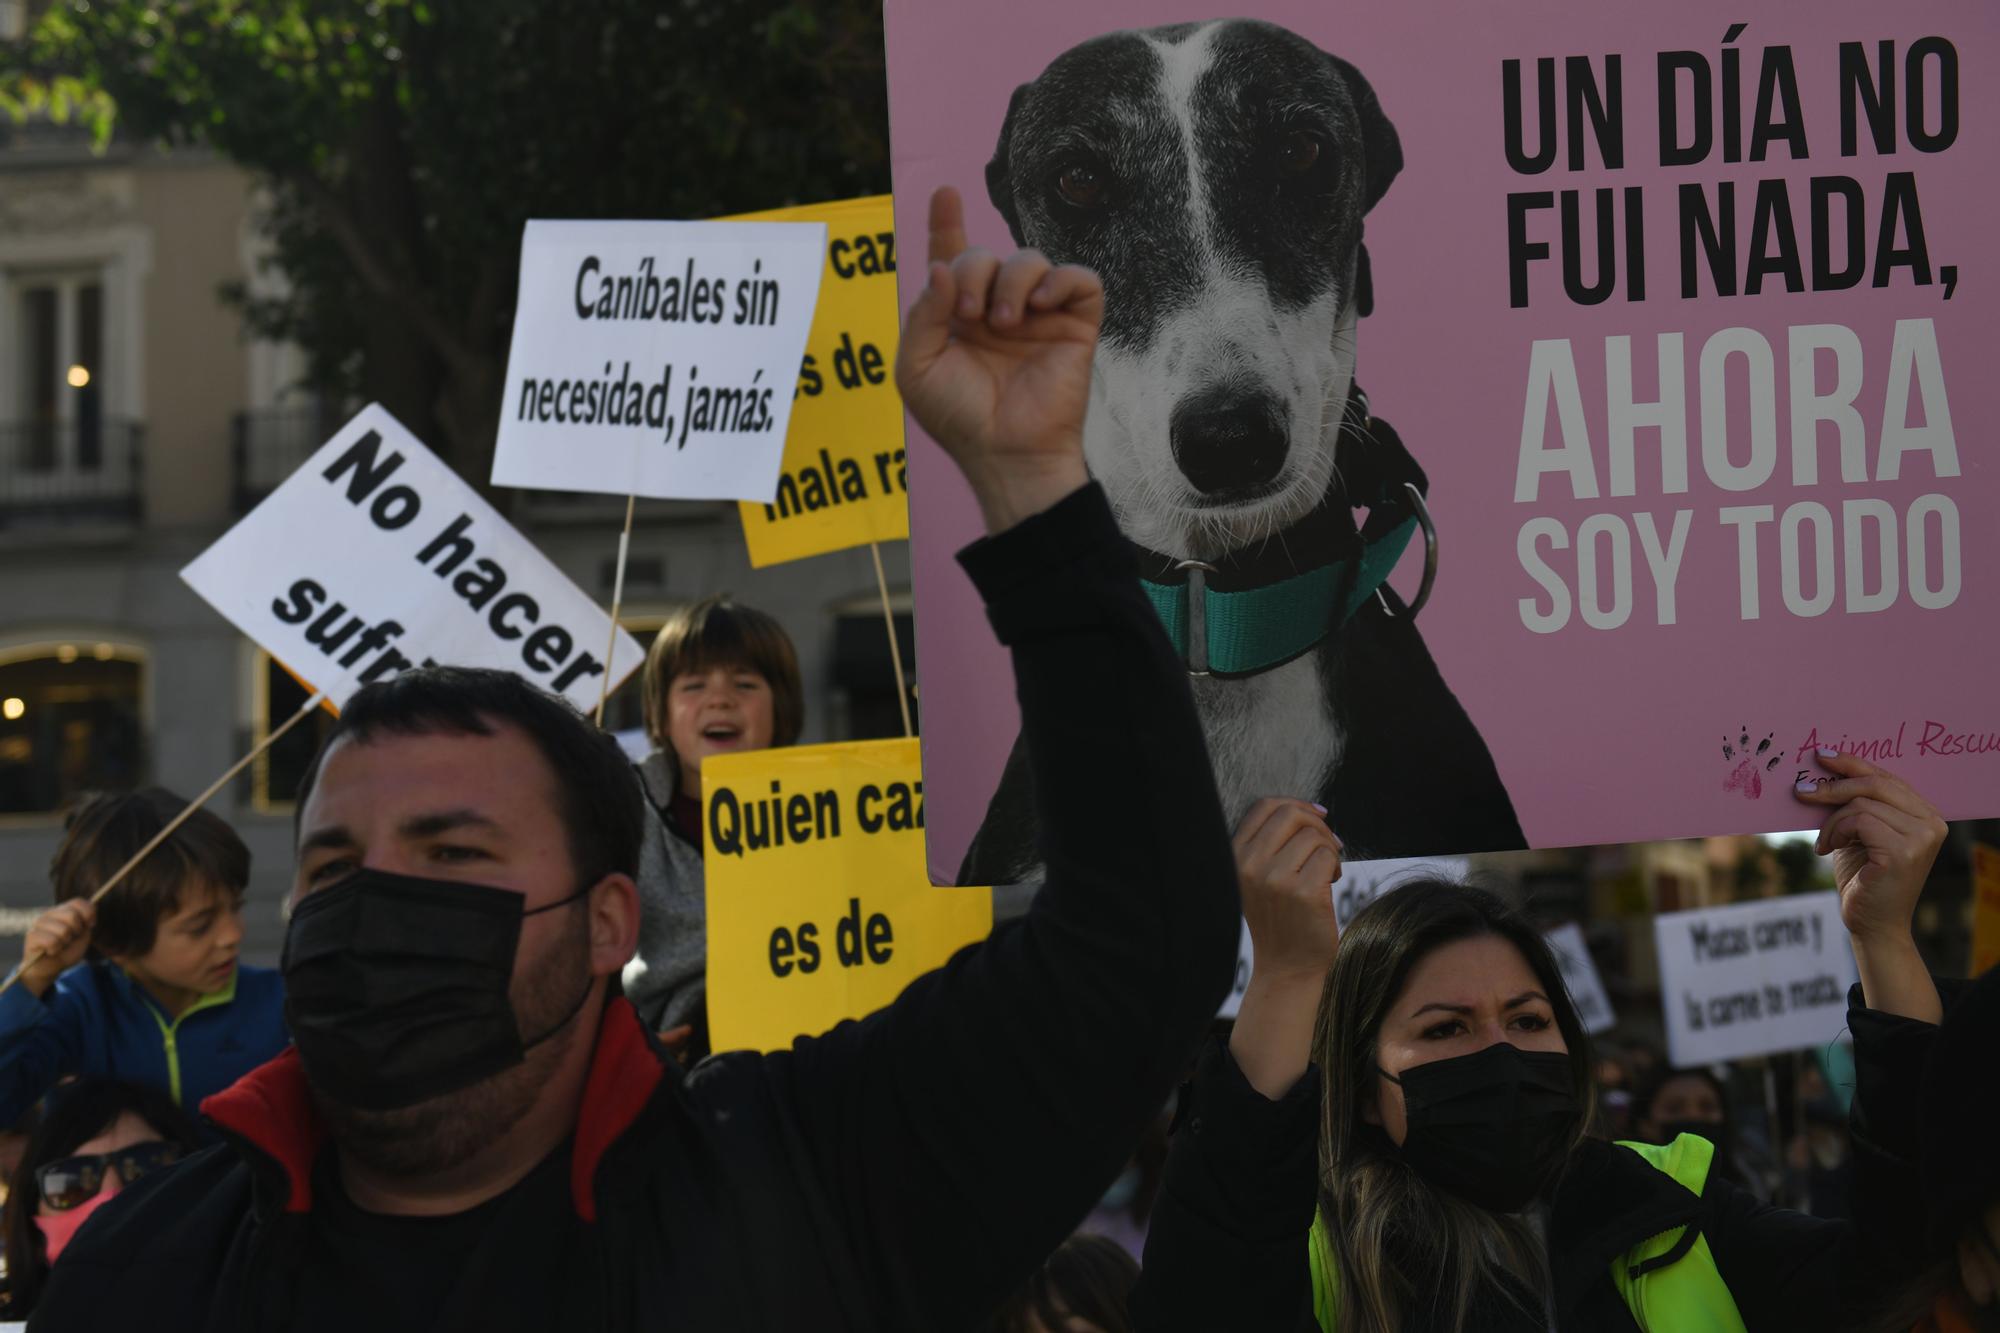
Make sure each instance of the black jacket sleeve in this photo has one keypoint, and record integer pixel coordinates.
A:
(1227, 1245)
(1787, 1270)
(962, 1132)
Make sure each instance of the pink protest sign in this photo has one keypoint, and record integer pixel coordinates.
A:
(1539, 428)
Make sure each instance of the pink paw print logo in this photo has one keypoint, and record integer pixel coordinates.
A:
(1747, 776)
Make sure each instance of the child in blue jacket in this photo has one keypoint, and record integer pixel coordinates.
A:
(145, 986)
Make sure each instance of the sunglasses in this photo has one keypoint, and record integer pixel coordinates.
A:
(69, 1182)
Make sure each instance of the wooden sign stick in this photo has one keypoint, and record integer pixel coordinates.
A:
(895, 648)
(617, 596)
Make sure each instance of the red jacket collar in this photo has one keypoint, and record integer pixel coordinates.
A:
(271, 1110)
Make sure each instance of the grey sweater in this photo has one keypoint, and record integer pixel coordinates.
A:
(668, 977)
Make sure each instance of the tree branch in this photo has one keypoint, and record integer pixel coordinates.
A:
(400, 290)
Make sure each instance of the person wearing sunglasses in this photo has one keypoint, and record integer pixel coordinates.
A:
(97, 1137)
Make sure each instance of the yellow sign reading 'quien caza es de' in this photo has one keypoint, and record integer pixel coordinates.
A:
(819, 906)
(842, 482)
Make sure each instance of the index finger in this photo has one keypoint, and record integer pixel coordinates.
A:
(947, 224)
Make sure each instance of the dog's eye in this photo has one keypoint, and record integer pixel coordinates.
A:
(1297, 152)
(1082, 185)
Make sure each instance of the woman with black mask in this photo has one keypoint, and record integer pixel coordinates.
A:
(1696, 1101)
(1432, 1172)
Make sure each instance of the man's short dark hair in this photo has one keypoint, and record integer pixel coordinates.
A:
(106, 830)
(602, 811)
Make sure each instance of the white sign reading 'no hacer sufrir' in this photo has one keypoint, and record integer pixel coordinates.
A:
(375, 557)
(657, 358)
(1753, 978)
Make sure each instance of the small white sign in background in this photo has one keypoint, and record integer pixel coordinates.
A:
(375, 556)
(1360, 883)
(657, 358)
(1753, 978)
(1579, 973)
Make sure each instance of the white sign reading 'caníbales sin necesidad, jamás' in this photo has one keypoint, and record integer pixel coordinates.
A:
(375, 557)
(657, 358)
(1753, 978)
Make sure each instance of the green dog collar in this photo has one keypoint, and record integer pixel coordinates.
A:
(1259, 608)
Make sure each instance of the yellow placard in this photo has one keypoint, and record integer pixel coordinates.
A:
(1985, 907)
(819, 906)
(843, 481)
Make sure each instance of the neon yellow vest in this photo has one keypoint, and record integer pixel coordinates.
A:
(1682, 1295)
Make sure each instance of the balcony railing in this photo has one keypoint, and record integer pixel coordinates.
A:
(271, 444)
(54, 472)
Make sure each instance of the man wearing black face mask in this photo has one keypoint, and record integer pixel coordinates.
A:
(475, 1132)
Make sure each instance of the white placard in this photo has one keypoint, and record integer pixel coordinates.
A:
(1579, 973)
(1360, 883)
(1246, 958)
(657, 358)
(1364, 881)
(375, 556)
(1753, 978)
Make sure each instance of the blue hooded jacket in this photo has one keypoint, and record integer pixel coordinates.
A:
(97, 1021)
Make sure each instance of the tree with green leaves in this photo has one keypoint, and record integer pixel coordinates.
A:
(405, 142)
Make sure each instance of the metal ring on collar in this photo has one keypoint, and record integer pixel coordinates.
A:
(1197, 627)
(1423, 513)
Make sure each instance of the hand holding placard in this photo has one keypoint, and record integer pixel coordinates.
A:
(1286, 856)
(995, 365)
(1883, 837)
(58, 940)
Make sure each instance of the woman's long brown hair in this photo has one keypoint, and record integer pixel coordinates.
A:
(1404, 1254)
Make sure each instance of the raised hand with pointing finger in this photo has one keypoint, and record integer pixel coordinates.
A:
(1286, 861)
(995, 365)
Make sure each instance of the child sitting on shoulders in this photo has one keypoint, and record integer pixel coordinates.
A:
(145, 986)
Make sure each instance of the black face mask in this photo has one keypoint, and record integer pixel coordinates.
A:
(1492, 1127)
(396, 987)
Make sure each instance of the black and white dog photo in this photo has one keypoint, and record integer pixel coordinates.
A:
(1215, 175)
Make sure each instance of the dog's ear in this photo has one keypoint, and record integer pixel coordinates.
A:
(1381, 149)
(1364, 283)
(1000, 171)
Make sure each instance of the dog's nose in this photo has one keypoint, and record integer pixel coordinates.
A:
(1228, 440)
